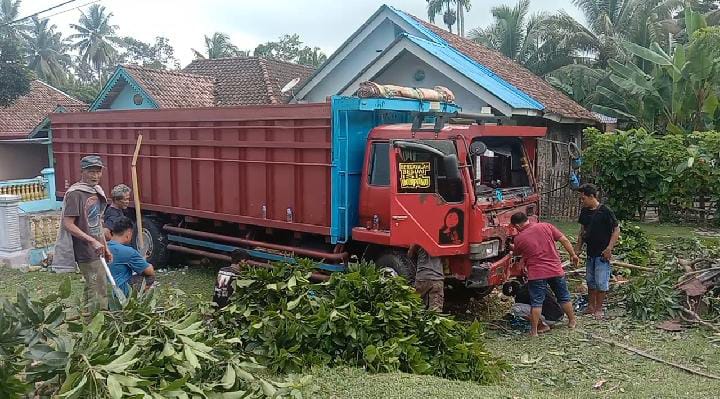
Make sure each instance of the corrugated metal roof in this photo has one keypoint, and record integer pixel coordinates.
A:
(478, 73)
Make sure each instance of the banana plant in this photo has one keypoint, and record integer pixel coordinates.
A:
(680, 94)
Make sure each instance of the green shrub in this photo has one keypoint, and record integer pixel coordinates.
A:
(653, 296)
(634, 245)
(357, 318)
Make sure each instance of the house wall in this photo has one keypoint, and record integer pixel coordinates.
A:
(124, 100)
(22, 161)
(402, 72)
(559, 201)
(362, 55)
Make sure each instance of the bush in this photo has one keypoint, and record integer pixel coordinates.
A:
(653, 296)
(633, 246)
(357, 318)
(142, 351)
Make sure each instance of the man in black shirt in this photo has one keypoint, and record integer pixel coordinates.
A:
(600, 231)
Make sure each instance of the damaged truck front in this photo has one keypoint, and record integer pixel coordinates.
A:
(350, 179)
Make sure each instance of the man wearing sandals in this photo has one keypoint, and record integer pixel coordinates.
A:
(599, 230)
(535, 242)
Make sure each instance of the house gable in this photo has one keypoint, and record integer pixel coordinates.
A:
(122, 92)
(492, 78)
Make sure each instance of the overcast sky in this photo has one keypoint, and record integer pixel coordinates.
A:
(322, 23)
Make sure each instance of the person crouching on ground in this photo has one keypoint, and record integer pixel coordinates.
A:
(127, 260)
(535, 242)
(120, 197)
(551, 314)
(429, 278)
(600, 231)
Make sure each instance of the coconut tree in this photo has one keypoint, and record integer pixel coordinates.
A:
(9, 12)
(535, 41)
(47, 52)
(96, 39)
(451, 11)
(219, 46)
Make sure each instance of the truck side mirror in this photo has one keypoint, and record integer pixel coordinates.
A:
(452, 167)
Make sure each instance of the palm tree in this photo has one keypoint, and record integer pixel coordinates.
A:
(9, 12)
(219, 46)
(96, 38)
(47, 52)
(534, 41)
(450, 15)
(610, 22)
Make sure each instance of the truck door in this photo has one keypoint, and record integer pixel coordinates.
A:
(428, 201)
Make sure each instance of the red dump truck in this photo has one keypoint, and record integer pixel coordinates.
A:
(349, 178)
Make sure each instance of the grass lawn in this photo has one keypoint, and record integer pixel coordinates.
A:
(561, 364)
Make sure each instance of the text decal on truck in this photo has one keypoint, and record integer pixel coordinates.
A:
(414, 175)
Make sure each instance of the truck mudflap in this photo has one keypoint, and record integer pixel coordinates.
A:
(489, 274)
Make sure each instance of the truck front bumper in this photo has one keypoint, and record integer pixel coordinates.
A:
(488, 274)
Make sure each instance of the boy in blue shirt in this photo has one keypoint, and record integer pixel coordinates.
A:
(128, 267)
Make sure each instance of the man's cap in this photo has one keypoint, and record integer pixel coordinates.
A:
(91, 161)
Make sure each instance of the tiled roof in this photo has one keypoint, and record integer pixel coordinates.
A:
(249, 80)
(555, 102)
(22, 116)
(172, 89)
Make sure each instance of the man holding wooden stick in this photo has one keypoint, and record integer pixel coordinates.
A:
(600, 231)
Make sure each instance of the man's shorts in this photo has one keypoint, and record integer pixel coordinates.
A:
(597, 274)
(537, 289)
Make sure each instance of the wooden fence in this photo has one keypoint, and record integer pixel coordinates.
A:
(557, 201)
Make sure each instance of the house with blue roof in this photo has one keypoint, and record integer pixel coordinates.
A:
(394, 47)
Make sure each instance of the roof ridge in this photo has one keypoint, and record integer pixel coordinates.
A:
(58, 90)
(289, 63)
(266, 78)
(164, 71)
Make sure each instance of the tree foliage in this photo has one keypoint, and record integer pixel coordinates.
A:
(14, 75)
(290, 48)
(681, 93)
(96, 38)
(157, 55)
(448, 10)
(636, 168)
(219, 45)
(47, 52)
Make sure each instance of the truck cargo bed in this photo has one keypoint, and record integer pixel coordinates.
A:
(260, 165)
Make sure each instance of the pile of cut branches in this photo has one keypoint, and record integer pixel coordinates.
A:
(686, 286)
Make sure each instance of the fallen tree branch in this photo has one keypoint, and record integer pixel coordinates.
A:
(696, 319)
(650, 356)
(631, 266)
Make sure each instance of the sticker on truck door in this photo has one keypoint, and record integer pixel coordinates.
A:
(415, 177)
(452, 230)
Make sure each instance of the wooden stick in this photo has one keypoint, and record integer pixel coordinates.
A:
(631, 266)
(136, 193)
(652, 357)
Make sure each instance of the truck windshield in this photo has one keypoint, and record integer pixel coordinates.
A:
(500, 167)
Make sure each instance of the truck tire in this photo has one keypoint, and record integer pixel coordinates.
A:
(155, 242)
(399, 263)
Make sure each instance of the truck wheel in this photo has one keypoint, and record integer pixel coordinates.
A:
(398, 263)
(154, 243)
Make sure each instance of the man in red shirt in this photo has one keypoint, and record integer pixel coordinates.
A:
(535, 242)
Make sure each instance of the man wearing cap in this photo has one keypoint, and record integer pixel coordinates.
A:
(81, 238)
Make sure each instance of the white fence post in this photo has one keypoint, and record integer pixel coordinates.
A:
(9, 223)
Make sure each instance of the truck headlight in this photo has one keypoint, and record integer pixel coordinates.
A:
(484, 250)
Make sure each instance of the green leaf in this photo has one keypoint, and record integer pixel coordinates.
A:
(294, 303)
(190, 357)
(268, 389)
(97, 324)
(65, 289)
(228, 379)
(647, 54)
(77, 390)
(240, 372)
(114, 387)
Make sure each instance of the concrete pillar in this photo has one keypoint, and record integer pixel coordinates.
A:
(9, 223)
(49, 175)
